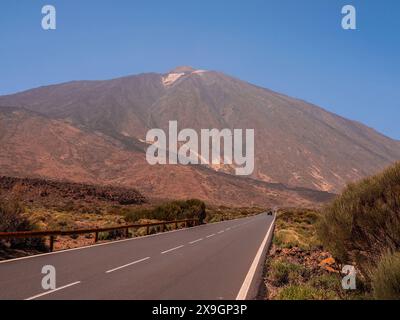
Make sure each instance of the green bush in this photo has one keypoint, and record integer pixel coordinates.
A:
(283, 272)
(111, 235)
(327, 282)
(386, 278)
(287, 238)
(136, 215)
(364, 222)
(296, 228)
(303, 292)
(175, 210)
(12, 220)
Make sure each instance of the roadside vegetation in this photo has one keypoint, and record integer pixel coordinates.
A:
(26, 216)
(12, 219)
(361, 227)
(175, 210)
(298, 267)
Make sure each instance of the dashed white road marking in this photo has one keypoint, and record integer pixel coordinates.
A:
(127, 265)
(211, 235)
(195, 241)
(173, 249)
(227, 229)
(117, 241)
(52, 291)
(222, 231)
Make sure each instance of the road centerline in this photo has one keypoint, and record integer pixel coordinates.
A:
(195, 241)
(105, 257)
(173, 249)
(52, 291)
(128, 265)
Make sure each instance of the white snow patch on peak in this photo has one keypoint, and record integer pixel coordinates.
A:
(199, 71)
(171, 78)
(174, 75)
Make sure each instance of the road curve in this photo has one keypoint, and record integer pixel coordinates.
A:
(214, 261)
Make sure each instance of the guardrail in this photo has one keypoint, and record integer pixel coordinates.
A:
(54, 233)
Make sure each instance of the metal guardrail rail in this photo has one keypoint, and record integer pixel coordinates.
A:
(52, 234)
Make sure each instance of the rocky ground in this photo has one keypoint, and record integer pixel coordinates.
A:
(52, 193)
(297, 267)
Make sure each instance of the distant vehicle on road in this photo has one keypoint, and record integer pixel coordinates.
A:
(273, 211)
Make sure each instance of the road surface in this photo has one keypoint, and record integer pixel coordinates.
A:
(214, 261)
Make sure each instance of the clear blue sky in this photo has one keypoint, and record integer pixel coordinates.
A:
(296, 47)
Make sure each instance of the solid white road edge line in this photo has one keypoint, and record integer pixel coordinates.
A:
(244, 290)
(211, 235)
(173, 249)
(52, 291)
(127, 265)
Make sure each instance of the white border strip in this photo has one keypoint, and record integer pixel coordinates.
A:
(244, 290)
(52, 291)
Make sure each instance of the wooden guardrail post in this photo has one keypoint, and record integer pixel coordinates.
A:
(176, 225)
(96, 236)
(127, 233)
(148, 230)
(51, 243)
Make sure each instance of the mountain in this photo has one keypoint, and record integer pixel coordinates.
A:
(296, 143)
(37, 146)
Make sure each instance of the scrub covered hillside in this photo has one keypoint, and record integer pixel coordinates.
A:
(361, 227)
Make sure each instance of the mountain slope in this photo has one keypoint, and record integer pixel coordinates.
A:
(297, 143)
(33, 145)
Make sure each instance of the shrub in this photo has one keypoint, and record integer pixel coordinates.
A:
(216, 218)
(364, 222)
(175, 210)
(296, 228)
(12, 220)
(303, 292)
(136, 215)
(282, 272)
(287, 238)
(197, 209)
(327, 282)
(111, 235)
(386, 278)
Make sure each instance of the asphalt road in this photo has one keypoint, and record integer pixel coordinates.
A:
(214, 261)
